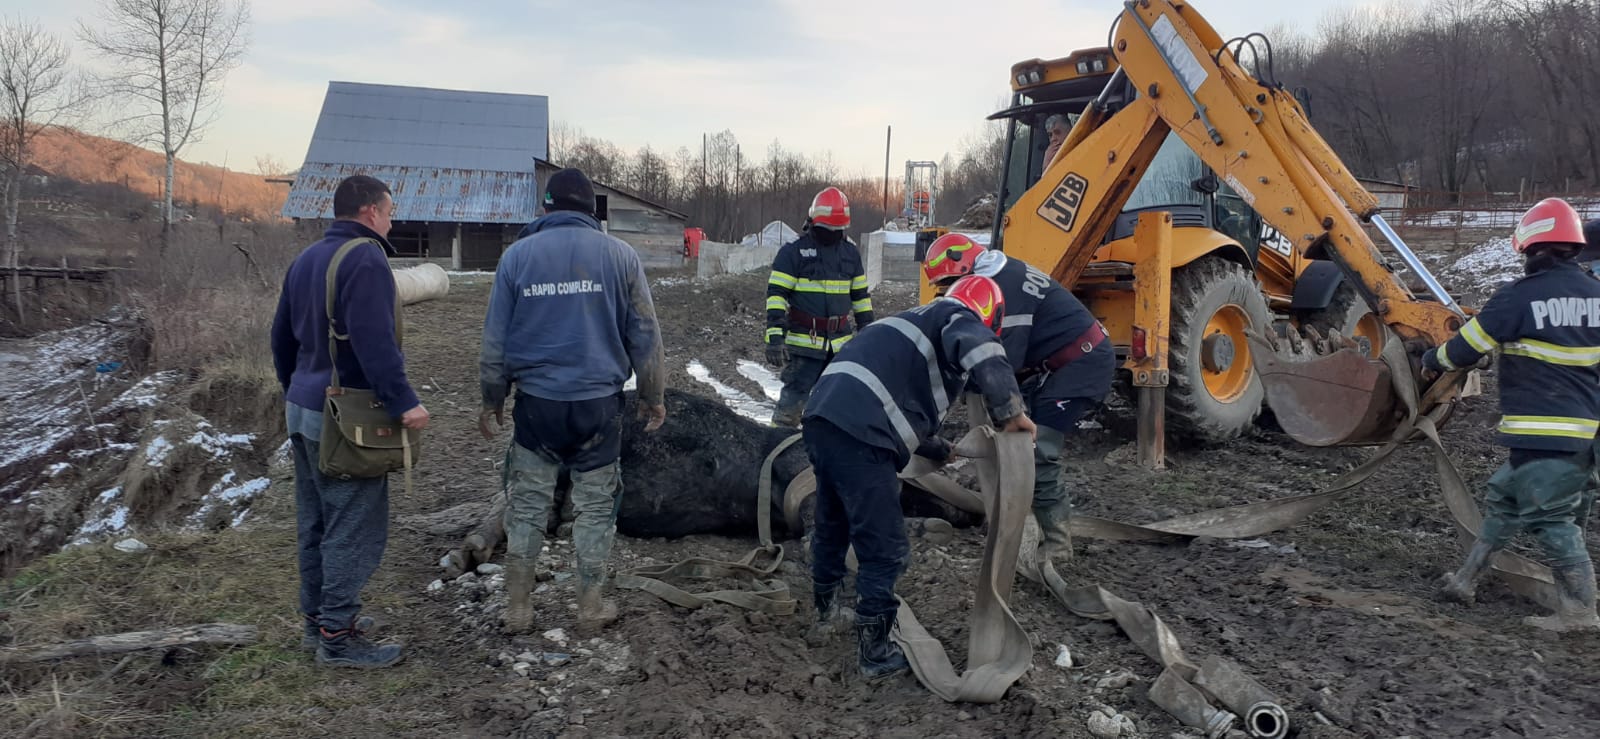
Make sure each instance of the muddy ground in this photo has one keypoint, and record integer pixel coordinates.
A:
(1334, 615)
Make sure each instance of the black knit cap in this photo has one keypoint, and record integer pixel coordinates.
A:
(569, 189)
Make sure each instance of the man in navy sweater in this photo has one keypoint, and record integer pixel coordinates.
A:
(343, 524)
(570, 317)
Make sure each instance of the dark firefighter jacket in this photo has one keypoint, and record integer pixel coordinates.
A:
(890, 387)
(1041, 317)
(1547, 327)
(813, 290)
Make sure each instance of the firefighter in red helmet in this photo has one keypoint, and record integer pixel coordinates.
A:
(818, 283)
(1546, 326)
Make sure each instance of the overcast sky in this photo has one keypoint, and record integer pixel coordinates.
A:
(817, 75)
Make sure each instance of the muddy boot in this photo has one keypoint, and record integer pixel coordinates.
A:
(1462, 587)
(313, 635)
(825, 598)
(1575, 585)
(518, 618)
(350, 649)
(879, 656)
(594, 611)
(1055, 531)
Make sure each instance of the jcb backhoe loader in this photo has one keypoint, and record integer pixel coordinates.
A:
(1191, 203)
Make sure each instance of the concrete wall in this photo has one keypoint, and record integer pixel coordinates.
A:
(872, 257)
(729, 259)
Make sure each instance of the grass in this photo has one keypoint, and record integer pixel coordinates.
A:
(245, 576)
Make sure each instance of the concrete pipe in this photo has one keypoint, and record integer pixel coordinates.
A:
(423, 282)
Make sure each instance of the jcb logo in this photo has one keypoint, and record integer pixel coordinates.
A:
(1061, 208)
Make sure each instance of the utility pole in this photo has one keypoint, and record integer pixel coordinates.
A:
(888, 138)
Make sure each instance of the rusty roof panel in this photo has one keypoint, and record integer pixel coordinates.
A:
(432, 194)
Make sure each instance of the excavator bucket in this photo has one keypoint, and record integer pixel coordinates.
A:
(1342, 397)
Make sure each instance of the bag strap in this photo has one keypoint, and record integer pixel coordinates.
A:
(334, 337)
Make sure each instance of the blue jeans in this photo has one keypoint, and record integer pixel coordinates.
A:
(858, 504)
(343, 527)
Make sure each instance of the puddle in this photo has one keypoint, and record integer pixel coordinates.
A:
(771, 386)
(742, 404)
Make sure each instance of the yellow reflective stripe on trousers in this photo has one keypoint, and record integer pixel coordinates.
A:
(1444, 357)
(837, 343)
(861, 306)
(781, 279)
(1566, 426)
(827, 287)
(1544, 351)
(777, 302)
(1477, 337)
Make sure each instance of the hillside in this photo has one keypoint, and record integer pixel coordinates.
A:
(89, 159)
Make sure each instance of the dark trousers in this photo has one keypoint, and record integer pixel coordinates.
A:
(1057, 416)
(799, 376)
(343, 528)
(583, 435)
(858, 504)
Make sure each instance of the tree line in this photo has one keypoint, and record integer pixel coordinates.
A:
(1456, 95)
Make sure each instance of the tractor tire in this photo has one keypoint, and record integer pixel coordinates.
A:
(1348, 314)
(1214, 393)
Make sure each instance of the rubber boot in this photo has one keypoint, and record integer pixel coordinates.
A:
(1575, 586)
(518, 618)
(350, 649)
(879, 656)
(825, 598)
(595, 612)
(313, 634)
(1462, 586)
(1055, 531)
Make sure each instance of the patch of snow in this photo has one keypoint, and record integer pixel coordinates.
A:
(771, 386)
(41, 397)
(1487, 266)
(227, 493)
(219, 445)
(468, 273)
(147, 392)
(112, 517)
(57, 468)
(156, 453)
(742, 404)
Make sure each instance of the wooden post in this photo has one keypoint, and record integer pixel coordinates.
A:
(1152, 320)
(455, 249)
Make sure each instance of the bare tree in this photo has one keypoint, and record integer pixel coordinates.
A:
(268, 165)
(171, 57)
(36, 93)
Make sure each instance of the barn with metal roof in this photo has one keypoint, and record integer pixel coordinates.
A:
(466, 168)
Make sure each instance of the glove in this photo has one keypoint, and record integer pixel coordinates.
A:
(777, 355)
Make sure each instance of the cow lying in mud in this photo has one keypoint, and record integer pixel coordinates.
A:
(698, 474)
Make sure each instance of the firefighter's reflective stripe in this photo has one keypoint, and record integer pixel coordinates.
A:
(782, 279)
(1544, 351)
(1565, 426)
(897, 418)
(924, 345)
(1015, 321)
(1444, 358)
(809, 341)
(980, 353)
(774, 331)
(861, 306)
(777, 302)
(1477, 337)
(859, 282)
(829, 287)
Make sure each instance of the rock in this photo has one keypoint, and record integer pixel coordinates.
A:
(435, 586)
(467, 579)
(130, 546)
(938, 531)
(605, 692)
(1115, 680)
(556, 659)
(527, 657)
(1103, 726)
(490, 568)
(522, 668)
(1063, 656)
(495, 582)
(505, 658)
(963, 716)
(558, 636)
(821, 682)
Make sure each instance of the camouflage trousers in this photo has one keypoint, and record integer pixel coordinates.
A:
(530, 482)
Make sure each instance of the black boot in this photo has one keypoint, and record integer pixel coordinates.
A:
(313, 635)
(825, 598)
(349, 648)
(1576, 610)
(1462, 587)
(879, 656)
